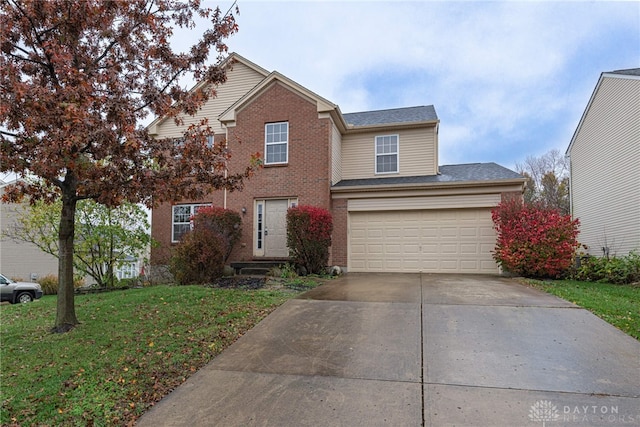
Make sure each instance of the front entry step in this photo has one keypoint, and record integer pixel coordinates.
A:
(255, 268)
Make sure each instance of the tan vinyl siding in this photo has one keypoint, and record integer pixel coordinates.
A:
(424, 202)
(22, 260)
(417, 153)
(240, 80)
(605, 159)
(336, 157)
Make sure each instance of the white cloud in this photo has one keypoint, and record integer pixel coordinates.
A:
(505, 77)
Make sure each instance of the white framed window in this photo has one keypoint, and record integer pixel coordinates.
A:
(181, 219)
(387, 154)
(276, 145)
(127, 270)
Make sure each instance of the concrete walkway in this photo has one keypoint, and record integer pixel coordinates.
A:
(417, 350)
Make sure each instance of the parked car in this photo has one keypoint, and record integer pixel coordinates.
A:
(16, 292)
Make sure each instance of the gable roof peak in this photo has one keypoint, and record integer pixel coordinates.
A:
(627, 72)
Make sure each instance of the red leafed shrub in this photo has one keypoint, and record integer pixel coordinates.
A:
(309, 231)
(199, 258)
(533, 241)
(202, 253)
(224, 221)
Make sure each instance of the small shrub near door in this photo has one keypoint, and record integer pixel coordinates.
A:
(225, 222)
(534, 241)
(202, 253)
(309, 231)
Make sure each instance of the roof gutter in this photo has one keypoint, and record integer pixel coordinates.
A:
(396, 125)
(426, 185)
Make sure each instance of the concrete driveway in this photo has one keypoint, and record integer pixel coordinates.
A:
(417, 350)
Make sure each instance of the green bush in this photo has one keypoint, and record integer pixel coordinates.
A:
(618, 270)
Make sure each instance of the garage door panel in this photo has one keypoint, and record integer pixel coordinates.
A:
(429, 248)
(409, 249)
(452, 240)
(449, 232)
(448, 249)
(469, 249)
(393, 249)
(375, 249)
(488, 232)
(468, 232)
(427, 232)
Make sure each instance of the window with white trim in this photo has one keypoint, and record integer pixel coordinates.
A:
(276, 143)
(181, 220)
(387, 154)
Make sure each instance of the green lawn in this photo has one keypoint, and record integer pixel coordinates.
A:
(131, 348)
(617, 304)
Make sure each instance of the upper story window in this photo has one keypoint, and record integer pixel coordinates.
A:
(387, 154)
(181, 220)
(276, 143)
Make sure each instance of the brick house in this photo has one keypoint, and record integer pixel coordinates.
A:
(394, 209)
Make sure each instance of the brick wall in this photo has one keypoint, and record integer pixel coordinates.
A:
(305, 176)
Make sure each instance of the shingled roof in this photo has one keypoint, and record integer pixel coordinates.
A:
(471, 172)
(397, 115)
(629, 72)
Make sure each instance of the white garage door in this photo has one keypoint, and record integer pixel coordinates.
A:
(430, 241)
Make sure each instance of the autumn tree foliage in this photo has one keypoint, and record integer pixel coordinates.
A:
(104, 236)
(225, 222)
(547, 180)
(309, 231)
(76, 79)
(201, 255)
(533, 241)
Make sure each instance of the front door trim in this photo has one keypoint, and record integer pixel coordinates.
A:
(260, 231)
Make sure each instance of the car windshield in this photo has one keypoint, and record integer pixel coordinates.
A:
(5, 280)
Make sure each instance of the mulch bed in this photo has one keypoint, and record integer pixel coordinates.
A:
(240, 283)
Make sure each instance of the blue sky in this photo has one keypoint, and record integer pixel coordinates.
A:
(507, 79)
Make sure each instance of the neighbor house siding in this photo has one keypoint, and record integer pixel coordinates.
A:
(605, 155)
(336, 154)
(240, 80)
(417, 153)
(22, 260)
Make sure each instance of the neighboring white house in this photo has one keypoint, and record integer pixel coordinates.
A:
(604, 160)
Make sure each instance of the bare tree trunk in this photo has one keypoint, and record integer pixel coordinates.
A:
(66, 313)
